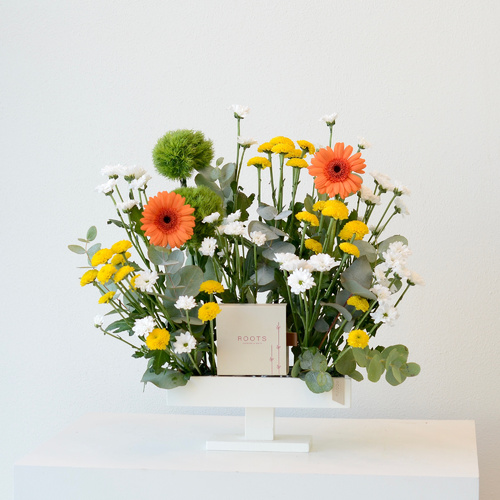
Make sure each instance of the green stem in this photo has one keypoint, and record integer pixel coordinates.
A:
(117, 337)
(194, 364)
(383, 215)
(273, 189)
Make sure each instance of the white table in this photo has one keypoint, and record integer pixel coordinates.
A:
(132, 456)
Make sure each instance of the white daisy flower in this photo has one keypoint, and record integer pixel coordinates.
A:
(234, 217)
(107, 187)
(321, 262)
(140, 182)
(366, 194)
(208, 246)
(284, 257)
(295, 264)
(113, 170)
(211, 218)
(300, 281)
(382, 292)
(329, 119)
(246, 142)
(185, 302)
(415, 279)
(128, 205)
(145, 280)
(385, 313)
(363, 143)
(258, 238)
(184, 342)
(235, 228)
(400, 207)
(98, 321)
(144, 326)
(239, 110)
(383, 179)
(399, 189)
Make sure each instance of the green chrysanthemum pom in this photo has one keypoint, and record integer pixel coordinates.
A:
(178, 152)
(205, 202)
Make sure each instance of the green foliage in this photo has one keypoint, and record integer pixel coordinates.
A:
(311, 366)
(205, 202)
(179, 152)
(166, 379)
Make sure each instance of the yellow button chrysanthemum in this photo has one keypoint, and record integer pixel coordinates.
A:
(349, 248)
(297, 162)
(358, 338)
(319, 205)
(88, 277)
(282, 148)
(314, 245)
(122, 273)
(208, 311)
(101, 256)
(158, 339)
(295, 153)
(358, 302)
(307, 217)
(335, 209)
(105, 273)
(121, 246)
(211, 286)
(118, 260)
(282, 140)
(259, 161)
(128, 255)
(306, 145)
(132, 282)
(354, 228)
(266, 147)
(106, 297)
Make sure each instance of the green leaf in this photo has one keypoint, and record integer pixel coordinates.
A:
(265, 275)
(119, 326)
(167, 379)
(227, 175)
(306, 360)
(341, 309)
(366, 249)
(319, 382)
(359, 271)
(191, 279)
(219, 161)
(308, 203)
(83, 240)
(92, 233)
(277, 246)
(355, 375)
(321, 325)
(345, 363)
(319, 363)
(411, 369)
(76, 249)
(283, 215)
(158, 255)
(201, 180)
(359, 356)
(397, 374)
(267, 212)
(135, 220)
(375, 368)
(356, 289)
(93, 249)
(271, 233)
(174, 262)
(296, 369)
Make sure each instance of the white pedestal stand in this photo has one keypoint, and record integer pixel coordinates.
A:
(259, 396)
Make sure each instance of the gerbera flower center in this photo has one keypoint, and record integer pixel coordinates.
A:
(338, 170)
(166, 219)
(169, 221)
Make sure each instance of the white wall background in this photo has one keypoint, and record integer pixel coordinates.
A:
(94, 82)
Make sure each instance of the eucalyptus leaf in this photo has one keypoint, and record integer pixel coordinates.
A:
(355, 375)
(321, 325)
(263, 228)
(227, 174)
(375, 368)
(366, 249)
(267, 212)
(92, 233)
(308, 203)
(277, 246)
(345, 363)
(283, 215)
(158, 255)
(356, 289)
(306, 360)
(390, 378)
(341, 309)
(359, 271)
(411, 370)
(265, 275)
(167, 379)
(296, 369)
(384, 245)
(191, 279)
(319, 363)
(93, 249)
(359, 356)
(319, 382)
(77, 249)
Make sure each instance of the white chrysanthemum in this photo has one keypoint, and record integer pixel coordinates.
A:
(238, 109)
(134, 172)
(300, 281)
(246, 142)
(401, 207)
(294, 264)
(145, 280)
(234, 217)
(400, 189)
(126, 206)
(107, 187)
(396, 251)
(235, 228)
(211, 218)
(329, 119)
(380, 272)
(382, 292)
(363, 143)
(415, 279)
(385, 313)
(321, 262)
(144, 326)
(113, 170)
(208, 246)
(98, 320)
(140, 182)
(366, 194)
(284, 257)
(184, 342)
(383, 179)
(258, 238)
(185, 302)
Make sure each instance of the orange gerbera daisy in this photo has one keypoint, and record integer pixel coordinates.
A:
(334, 170)
(167, 220)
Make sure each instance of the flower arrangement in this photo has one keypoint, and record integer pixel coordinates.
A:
(195, 247)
